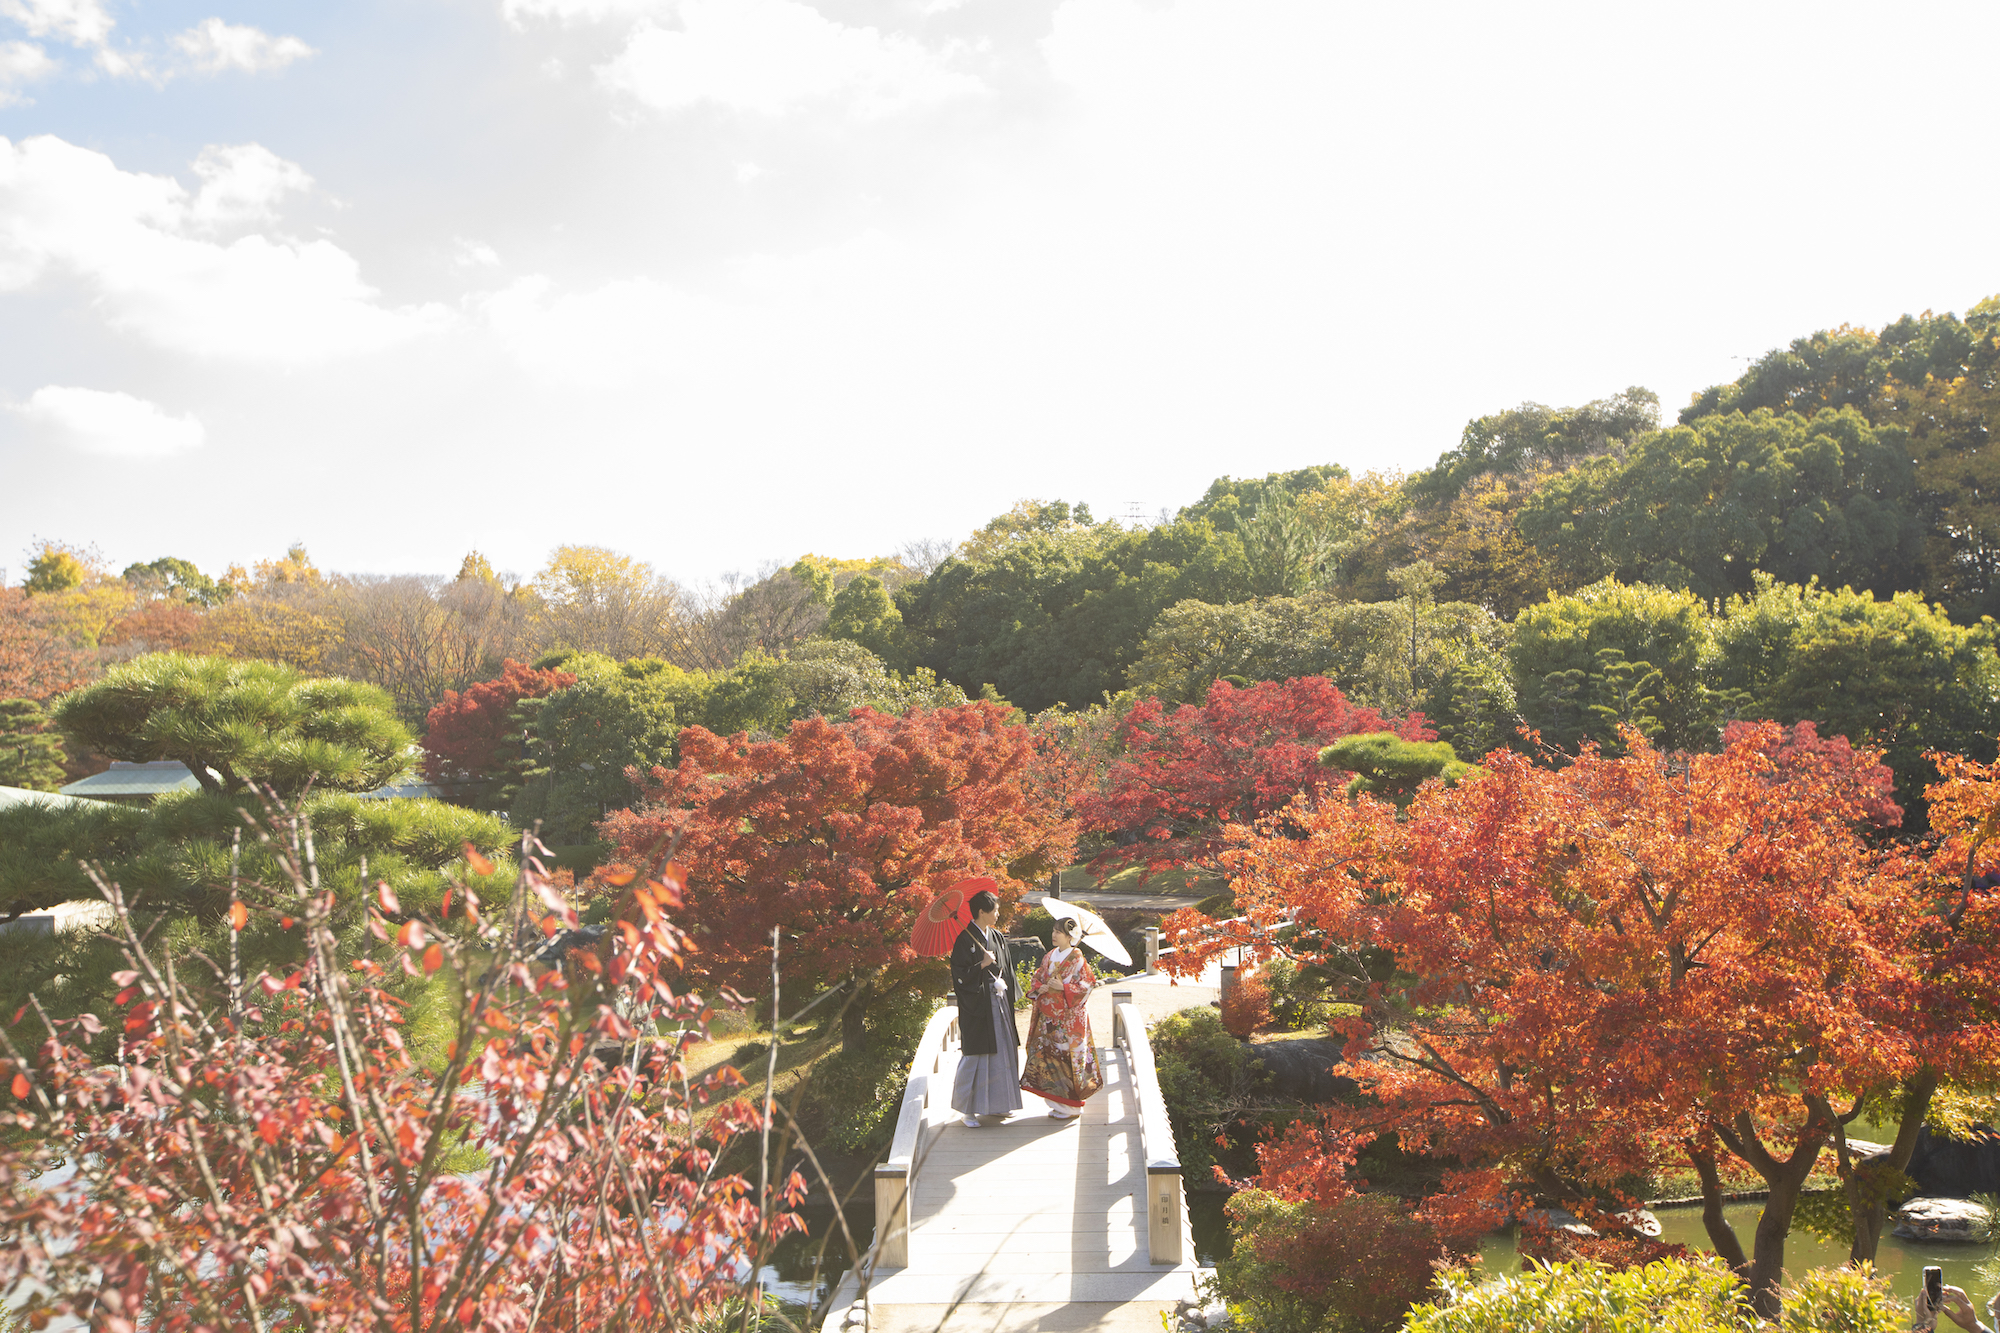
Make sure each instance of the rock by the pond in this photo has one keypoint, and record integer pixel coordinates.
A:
(1943, 1166)
(1943, 1219)
(1562, 1219)
(1301, 1069)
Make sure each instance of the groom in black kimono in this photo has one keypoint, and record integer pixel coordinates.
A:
(988, 1081)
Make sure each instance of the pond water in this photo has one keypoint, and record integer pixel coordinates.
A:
(1901, 1261)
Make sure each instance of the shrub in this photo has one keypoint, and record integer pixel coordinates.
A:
(1841, 1300)
(1207, 1080)
(1354, 1266)
(275, 1154)
(852, 1097)
(1685, 1295)
(1298, 996)
(1247, 1006)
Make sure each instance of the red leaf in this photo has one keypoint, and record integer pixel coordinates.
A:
(22, 1087)
(239, 916)
(480, 865)
(124, 997)
(618, 878)
(411, 936)
(270, 984)
(587, 961)
(433, 958)
(285, 922)
(387, 897)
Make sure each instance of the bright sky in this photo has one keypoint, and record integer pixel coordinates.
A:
(715, 282)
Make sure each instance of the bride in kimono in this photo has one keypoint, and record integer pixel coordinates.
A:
(1062, 1059)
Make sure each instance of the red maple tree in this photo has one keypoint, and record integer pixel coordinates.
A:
(838, 834)
(1622, 962)
(1238, 755)
(467, 735)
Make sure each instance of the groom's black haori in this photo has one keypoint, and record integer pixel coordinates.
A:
(988, 1078)
(972, 984)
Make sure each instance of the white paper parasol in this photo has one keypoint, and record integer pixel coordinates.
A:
(1090, 929)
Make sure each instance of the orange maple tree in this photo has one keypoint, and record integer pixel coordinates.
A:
(838, 834)
(40, 656)
(1618, 963)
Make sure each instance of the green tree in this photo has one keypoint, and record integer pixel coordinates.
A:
(1058, 617)
(1459, 680)
(581, 739)
(239, 725)
(862, 613)
(1937, 378)
(824, 678)
(1898, 674)
(1532, 437)
(1231, 502)
(31, 752)
(1704, 506)
(177, 580)
(1637, 650)
(1386, 765)
(1285, 552)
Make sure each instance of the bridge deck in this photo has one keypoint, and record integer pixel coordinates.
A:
(1034, 1224)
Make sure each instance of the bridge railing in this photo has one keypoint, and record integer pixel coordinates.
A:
(1166, 1227)
(897, 1173)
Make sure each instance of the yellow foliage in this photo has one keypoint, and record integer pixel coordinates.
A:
(296, 568)
(83, 614)
(885, 568)
(268, 631)
(593, 576)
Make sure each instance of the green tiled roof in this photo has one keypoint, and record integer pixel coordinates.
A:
(124, 779)
(22, 796)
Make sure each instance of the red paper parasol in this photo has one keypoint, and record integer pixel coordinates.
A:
(950, 912)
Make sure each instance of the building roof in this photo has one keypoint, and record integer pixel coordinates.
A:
(405, 791)
(128, 780)
(23, 796)
(160, 776)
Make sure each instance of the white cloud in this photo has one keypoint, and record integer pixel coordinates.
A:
(474, 254)
(79, 22)
(576, 11)
(243, 183)
(102, 421)
(769, 55)
(21, 62)
(71, 212)
(215, 46)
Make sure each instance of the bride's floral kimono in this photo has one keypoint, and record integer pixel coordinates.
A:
(1062, 1059)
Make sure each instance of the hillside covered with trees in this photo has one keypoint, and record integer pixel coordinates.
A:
(1825, 520)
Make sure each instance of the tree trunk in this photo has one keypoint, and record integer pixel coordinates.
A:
(1720, 1234)
(1767, 1262)
(853, 1023)
(1866, 1187)
(1783, 1176)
